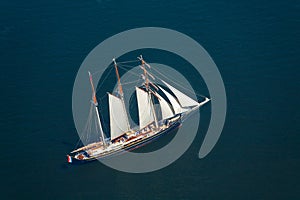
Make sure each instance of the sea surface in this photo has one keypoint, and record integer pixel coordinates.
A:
(255, 45)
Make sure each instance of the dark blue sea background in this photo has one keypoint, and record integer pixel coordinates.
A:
(255, 45)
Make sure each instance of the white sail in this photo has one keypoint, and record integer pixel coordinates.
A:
(176, 106)
(166, 111)
(184, 100)
(117, 116)
(144, 106)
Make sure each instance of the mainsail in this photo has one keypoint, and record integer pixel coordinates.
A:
(117, 116)
(166, 111)
(184, 100)
(144, 106)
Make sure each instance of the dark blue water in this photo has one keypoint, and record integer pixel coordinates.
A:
(255, 44)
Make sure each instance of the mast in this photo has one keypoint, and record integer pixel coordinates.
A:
(148, 89)
(94, 101)
(118, 77)
(121, 93)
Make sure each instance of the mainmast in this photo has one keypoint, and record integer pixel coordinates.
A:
(148, 89)
(121, 92)
(94, 101)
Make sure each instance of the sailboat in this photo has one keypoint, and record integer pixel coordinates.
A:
(174, 106)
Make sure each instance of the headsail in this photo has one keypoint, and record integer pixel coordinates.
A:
(176, 106)
(184, 100)
(117, 116)
(165, 108)
(144, 106)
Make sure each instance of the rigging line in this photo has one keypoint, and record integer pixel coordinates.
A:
(135, 74)
(129, 66)
(140, 78)
(128, 70)
(185, 117)
(179, 84)
(87, 126)
(126, 66)
(135, 84)
(99, 86)
(129, 61)
(111, 65)
(101, 98)
(96, 72)
(129, 82)
(77, 144)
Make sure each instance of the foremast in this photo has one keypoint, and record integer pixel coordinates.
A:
(95, 103)
(148, 89)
